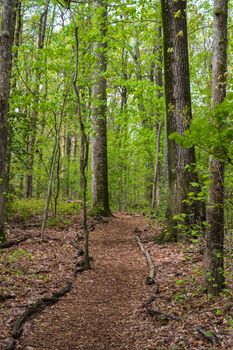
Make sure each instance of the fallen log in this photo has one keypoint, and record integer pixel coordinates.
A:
(33, 309)
(150, 279)
(13, 242)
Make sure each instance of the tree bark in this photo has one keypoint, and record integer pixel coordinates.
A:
(84, 151)
(99, 140)
(6, 42)
(34, 116)
(214, 254)
(178, 113)
(157, 78)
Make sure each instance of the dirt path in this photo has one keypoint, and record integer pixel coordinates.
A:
(98, 313)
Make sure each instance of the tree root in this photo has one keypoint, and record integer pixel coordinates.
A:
(4, 297)
(13, 242)
(33, 309)
(151, 299)
(150, 279)
(163, 315)
(210, 336)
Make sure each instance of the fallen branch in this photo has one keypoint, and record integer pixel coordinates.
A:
(155, 313)
(4, 297)
(210, 336)
(151, 299)
(150, 279)
(32, 310)
(13, 242)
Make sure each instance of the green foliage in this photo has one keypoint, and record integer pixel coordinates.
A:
(24, 210)
(211, 131)
(58, 222)
(19, 254)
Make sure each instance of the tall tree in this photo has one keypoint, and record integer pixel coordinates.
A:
(214, 257)
(178, 110)
(6, 42)
(157, 79)
(35, 112)
(99, 139)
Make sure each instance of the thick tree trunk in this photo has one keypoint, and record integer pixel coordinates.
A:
(6, 41)
(99, 139)
(214, 255)
(178, 110)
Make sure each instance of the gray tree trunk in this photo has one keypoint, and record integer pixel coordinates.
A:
(214, 255)
(157, 78)
(100, 194)
(178, 112)
(34, 116)
(6, 42)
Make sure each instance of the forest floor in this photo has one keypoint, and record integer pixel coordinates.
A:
(110, 306)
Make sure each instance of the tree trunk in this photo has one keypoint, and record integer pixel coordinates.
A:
(34, 116)
(99, 139)
(214, 255)
(157, 79)
(84, 151)
(157, 171)
(6, 41)
(178, 111)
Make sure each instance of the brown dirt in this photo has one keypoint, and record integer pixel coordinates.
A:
(96, 314)
(105, 309)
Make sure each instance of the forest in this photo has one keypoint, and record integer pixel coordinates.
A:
(116, 185)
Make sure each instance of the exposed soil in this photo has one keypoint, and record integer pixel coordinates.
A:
(106, 307)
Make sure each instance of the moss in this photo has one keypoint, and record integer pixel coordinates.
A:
(2, 235)
(218, 11)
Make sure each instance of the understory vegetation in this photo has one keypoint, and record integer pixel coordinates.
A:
(118, 108)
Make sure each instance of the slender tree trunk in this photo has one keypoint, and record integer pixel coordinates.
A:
(157, 79)
(84, 151)
(214, 256)
(51, 175)
(157, 171)
(17, 42)
(6, 42)
(99, 140)
(34, 116)
(178, 110)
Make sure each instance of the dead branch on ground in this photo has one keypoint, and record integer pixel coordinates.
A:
(14, 242)
(33, 309)
(150, 279)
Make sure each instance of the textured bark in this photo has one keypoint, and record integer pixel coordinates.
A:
(157, 171)
(17, 42)
(214, 255)
(34, 115)
(100, 194)
(178, 111)
(84, 152)
(6, 41)
(157, 78)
